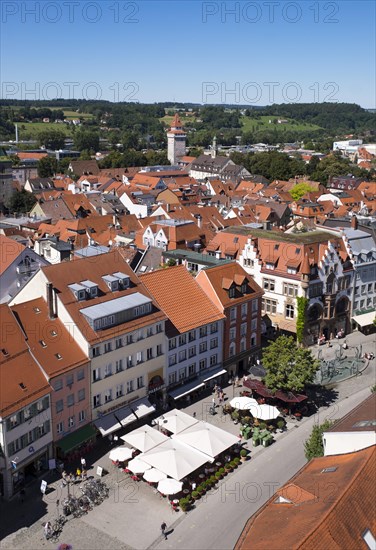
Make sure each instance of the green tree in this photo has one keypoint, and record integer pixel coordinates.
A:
(314, 446)
(288, 367)
(86, 140)
(21, 202)
(47, 167)
(51, 139)
(300, 190)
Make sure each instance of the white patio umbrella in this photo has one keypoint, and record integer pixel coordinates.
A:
(265, 412)
(243, 403)
(175, 459)
(207, 438)
(144, 438)
(138, 466)
(119, 454)
(169, 486)
(176, 421)
(153, 475)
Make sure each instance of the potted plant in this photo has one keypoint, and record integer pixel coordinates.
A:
(233, 464)
(235, 416)
(184, 504)
(218, 476)
(213, 480)
(247, 420)
(228, 467)
(263, 425)
(243, 455)
(237, 460)
(280, 425)
(196, 495)
(222, 471)
(201, 489)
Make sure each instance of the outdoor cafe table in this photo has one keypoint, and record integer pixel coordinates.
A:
(201, 476)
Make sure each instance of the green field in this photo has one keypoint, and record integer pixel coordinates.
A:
(262, 123)
(32, 129)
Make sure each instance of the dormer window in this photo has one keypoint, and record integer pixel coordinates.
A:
(112, 282)
(291, 270)
(269, 265)
(231, 292)
(79, 291)
(243, 288)
(91, 288)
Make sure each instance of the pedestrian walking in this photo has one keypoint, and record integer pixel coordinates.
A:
(163, 529)
(214, 403)
(83, 463)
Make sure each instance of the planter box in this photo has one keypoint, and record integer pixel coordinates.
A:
(256, 442)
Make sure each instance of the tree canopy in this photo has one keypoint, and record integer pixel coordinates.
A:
(21, 202)
(47, 167)
(314, 446)
(300, 190)
(51, 139)
(288, 367)
(86, 140)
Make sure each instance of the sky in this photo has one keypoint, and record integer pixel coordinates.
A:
(240, 52)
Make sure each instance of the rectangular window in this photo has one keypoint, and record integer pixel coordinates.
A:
(107, 347)
(254, 305)
(192, 351)
(213, 343)
(192, 336)
(290, 290)
(269, 284)
(149, 332)
(248, 262)
(58, 384)
(129, 339)
(119, 390)
(129, 362)
(60, 427)
(315, 290)
(108, 370)
(96, 351)
(182, 373)
(203, 331)
(130, 386)
(69, 380)
(108, 396)
(192, 369)
(172, 360)
(59, 405)
(291, 270)
(158, 328)
(213, 328)
(140, 335)
(71, 421)
(243, 329)
(213, 360)
(253, 340)
(159, 350)
(202, 364)
(290, 311)
(254, 324)
(182, 339)
(244, 309)
(81, 416)
(118, 343)
(81, 394)
(172, 343)
(233, 314)
(232, 333)
(182, 355)
(119, 365)
(96, 374)
(149, 354)
(140, 382)
(203, 347)
(269, 306)
(139, 357)
(172, 378)
(70, 400)
(80, 375)
(97, 400)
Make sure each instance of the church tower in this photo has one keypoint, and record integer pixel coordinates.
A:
(176, 138)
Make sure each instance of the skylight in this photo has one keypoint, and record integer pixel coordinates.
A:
(328, 470)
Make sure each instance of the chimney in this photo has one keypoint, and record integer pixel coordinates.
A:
(50, 298)
(199, 221)
(354, 222)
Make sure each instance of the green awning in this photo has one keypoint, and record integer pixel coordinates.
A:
(74, 439)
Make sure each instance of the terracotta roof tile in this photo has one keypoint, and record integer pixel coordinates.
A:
(181, 298)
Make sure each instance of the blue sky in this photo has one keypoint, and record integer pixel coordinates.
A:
(242, 52)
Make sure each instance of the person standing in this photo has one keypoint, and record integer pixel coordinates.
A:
(163, 529)
(83, 463)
